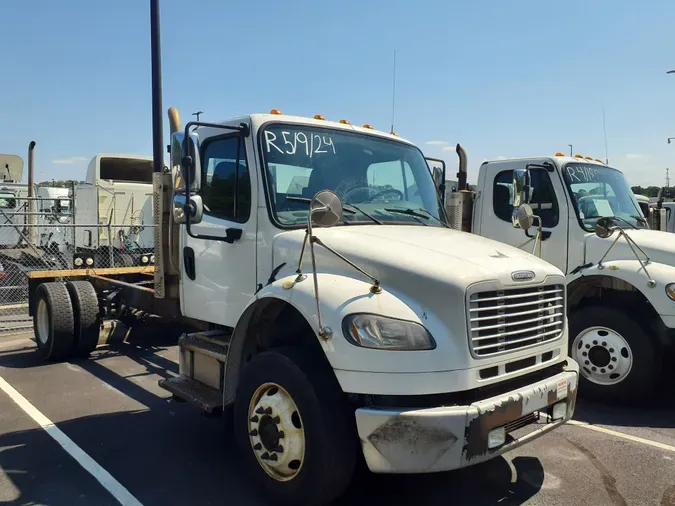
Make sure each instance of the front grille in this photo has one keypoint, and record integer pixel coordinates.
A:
(507, 320)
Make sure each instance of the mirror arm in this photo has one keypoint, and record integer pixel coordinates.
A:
(376, 282)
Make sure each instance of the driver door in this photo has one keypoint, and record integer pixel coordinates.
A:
(547, 201)
(219, 273)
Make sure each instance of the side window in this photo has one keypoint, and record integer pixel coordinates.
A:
(396, 175)
(226, 185)
(543, 202)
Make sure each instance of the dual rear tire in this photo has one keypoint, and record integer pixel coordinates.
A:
(66, 320)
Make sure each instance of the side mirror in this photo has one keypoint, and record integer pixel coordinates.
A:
(437, 175)
(182, 210)
(521, 192)
(325, 209)
(603, 227)
(524, 216)
(185, 161)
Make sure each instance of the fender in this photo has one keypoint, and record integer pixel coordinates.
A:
(340, 296)
(631, 272)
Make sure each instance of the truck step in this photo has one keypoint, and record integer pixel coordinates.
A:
(206, 398)
(212, 343)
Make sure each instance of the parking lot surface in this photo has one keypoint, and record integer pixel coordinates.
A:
(132, 439)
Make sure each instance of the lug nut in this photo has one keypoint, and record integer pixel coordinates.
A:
(586, 362)
(257, 446)
(276, 419)
(588, 346)
(260, 410)
(595, 343)
(613, 359)
(594, 368)
(279, 449)
(602, 371)
(268, 411)
(274, 457)
(281, 434)
(611, 350)
(585, 354)
(254, 432)
(254, 418)
(265, 456)
(604, 343)
(610, 366)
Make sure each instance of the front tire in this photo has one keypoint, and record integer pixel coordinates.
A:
(294, 432)
(618, 360)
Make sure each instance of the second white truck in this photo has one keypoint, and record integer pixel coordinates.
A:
(619, 275)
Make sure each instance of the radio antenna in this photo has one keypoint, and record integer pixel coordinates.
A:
(604, 128)
(393, 95)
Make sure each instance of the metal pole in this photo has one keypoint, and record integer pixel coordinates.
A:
(157, 125)
(570, 149)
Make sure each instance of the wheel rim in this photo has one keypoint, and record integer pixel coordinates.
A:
(276, 432)
(42, 321)
(604, 355)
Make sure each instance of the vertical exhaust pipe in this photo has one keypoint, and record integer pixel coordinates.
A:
(32, 219)
(461, 175)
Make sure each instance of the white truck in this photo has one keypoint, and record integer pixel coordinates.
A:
(337, 322)
(116, 199)
(621, 296)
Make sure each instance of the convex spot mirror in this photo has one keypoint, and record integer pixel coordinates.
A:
(604, 227)
(195, 209)
(437, 175)
(524, 216)
(325, 209)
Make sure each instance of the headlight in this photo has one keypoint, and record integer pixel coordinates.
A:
(379, 332)
(89, 261)
(144, 259)
(152, 259)
(78, 262)
(670, 290)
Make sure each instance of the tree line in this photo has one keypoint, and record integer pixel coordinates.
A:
(60, 184)
(650, 191)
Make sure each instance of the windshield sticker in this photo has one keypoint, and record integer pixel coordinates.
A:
(603, 207)
(291, 143)
(583, 174)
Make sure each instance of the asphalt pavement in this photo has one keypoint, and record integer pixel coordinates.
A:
(134, 438)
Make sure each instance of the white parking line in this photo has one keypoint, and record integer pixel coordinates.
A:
(115, 488)
(635, 439)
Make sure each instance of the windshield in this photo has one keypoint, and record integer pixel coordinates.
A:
(377, 180)
(599, 191)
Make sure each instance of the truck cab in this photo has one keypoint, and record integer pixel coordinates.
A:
(620, 296)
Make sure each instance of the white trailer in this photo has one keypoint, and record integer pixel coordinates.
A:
(116, 200)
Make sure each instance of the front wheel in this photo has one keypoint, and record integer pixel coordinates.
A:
(295, 434)
(618, 360)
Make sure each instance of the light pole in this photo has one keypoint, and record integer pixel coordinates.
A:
(197, 114)
(570, 149)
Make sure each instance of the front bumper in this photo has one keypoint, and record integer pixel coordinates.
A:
(446, 438)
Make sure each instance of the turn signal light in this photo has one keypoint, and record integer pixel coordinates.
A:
(275, 111)
(319, 116)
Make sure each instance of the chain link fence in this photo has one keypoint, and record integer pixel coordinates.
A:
(38, 234)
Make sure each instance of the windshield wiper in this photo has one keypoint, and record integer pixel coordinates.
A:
(372, 218)
(416, 213)
(348, 211)
(624, 220)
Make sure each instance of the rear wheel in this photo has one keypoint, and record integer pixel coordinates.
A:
(53, 321)
(618, 360)
(293, 429)
(87, 323)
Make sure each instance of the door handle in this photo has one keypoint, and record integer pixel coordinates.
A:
(545, 234)
(232, 234)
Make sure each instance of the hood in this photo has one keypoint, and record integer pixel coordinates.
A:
(659, 246)
(431, 254)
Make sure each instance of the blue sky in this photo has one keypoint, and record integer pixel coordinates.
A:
(502, 78)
